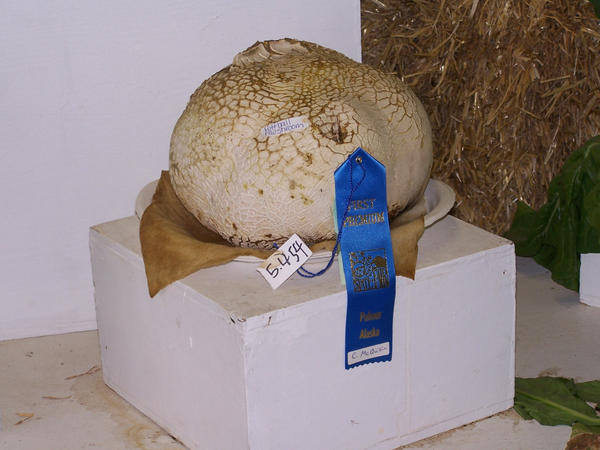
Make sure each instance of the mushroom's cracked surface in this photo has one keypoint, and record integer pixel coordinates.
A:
(253, 154)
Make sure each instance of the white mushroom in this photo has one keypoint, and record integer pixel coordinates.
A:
(256, 181)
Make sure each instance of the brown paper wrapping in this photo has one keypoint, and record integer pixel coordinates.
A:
(175, 244)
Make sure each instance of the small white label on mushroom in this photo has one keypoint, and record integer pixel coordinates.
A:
(284, 126)
(285, 261)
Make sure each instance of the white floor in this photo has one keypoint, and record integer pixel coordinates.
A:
(52, 395)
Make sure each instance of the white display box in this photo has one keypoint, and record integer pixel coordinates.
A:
(589, 279)
(222, 361)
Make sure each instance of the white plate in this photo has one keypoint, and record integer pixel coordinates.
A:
(439, 200)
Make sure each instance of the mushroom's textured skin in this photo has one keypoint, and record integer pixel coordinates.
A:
(256, 189)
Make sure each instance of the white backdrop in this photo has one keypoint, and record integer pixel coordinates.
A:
(89, 94)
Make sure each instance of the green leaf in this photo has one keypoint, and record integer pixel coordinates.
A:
(525, 232)
(553, 401)
(589, 391)
(522, 411)
(596, 4)
(579, 428)
(589, 232)
(569, 223)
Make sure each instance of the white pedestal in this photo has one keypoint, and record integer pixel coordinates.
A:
(223, 362)
(589, 279)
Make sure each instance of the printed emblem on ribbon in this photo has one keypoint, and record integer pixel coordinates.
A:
(369, 270)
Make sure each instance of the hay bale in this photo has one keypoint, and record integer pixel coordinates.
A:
(511, 86)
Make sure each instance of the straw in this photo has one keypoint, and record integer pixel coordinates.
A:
(511, 88)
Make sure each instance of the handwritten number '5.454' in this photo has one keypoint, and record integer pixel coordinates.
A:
(283, 259)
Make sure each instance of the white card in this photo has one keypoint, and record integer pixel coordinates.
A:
(285, 261)
(363, 354)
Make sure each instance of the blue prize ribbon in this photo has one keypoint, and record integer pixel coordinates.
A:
(368, 260)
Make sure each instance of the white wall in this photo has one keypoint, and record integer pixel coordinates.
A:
(89, 94)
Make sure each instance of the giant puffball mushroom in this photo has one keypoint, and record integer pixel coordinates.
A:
(253, 154)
